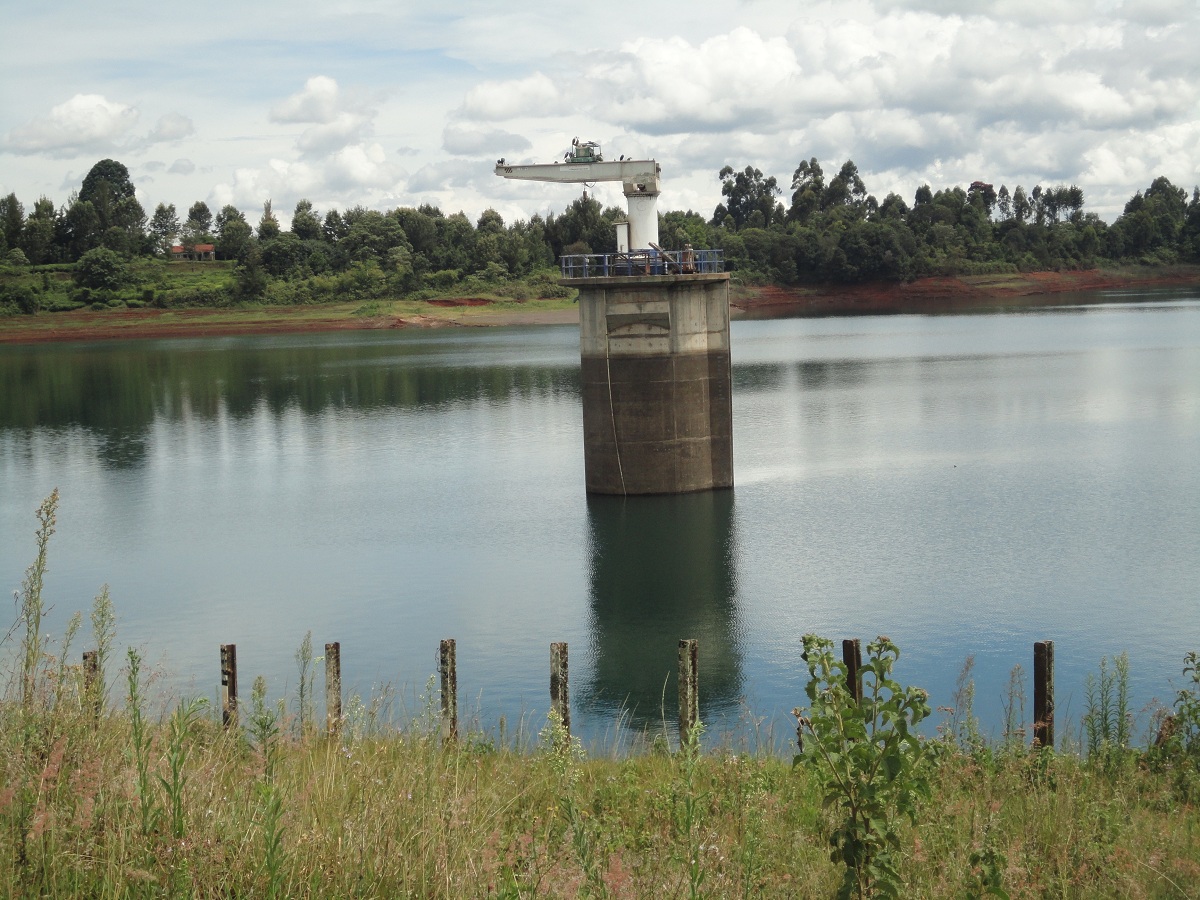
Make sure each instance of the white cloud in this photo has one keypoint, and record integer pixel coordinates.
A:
(1159, 13)
(361, 166)
(318, 103)
(443, 176)
(344, 129)
(462, 139)
(86, 122)
(535, 95)
(1011, 91)
(172, 127)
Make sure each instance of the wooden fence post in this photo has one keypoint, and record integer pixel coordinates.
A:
(689, 689)
(559, 690)
(91, 681)
(333, 688)
(1043, 694)
(448, 670)
(229, 691)
(852, 657)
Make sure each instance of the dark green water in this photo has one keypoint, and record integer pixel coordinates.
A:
(965, 484)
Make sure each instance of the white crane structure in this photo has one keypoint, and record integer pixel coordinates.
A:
(583, 164)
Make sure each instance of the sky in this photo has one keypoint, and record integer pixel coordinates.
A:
(388, 103)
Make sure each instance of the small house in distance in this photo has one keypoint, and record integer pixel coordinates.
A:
(196, 253)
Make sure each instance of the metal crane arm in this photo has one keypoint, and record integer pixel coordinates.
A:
(639, 175)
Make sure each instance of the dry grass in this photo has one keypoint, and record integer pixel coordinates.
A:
(397, 813)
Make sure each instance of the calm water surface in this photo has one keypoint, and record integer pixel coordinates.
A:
(964, 484)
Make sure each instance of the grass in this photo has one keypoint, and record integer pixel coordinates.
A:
(401, 814)
(139, 799)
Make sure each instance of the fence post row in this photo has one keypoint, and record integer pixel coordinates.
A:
(689, 688)
(229, 694)
(689, 693)
(1043, 694)
(559, 689)
(448, 670)
(333, 688)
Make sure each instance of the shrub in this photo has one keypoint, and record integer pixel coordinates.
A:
(874, 767)
(102, 269)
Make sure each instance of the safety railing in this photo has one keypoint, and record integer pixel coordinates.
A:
(642, 262)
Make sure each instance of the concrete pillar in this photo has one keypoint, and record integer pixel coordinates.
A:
(654, 358)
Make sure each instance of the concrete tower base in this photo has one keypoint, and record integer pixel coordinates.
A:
(654, 357)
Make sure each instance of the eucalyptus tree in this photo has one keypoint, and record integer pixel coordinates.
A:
(12, 220)
(234, 233)
(164, 228)
(750, 199)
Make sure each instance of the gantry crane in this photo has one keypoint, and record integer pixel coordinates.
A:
(584, 164)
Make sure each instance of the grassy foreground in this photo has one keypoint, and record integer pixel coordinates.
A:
(101, 798)
(195, 811)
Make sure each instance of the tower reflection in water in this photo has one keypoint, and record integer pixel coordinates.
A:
(662, 569)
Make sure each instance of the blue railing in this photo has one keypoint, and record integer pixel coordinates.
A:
(642, 262)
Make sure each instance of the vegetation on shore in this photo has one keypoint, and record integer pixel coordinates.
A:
(100, 796)
(101, 250)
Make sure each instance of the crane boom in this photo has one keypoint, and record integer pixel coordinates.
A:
(630, 171)
(640, 179)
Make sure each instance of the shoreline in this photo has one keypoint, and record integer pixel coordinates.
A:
(926, 295)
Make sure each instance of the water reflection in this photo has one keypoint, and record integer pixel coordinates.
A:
(661, 569)
(116, 393)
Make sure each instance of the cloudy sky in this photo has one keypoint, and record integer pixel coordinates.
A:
(390, 103)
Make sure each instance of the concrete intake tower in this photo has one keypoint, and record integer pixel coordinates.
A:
(654, 361)
(653, 342)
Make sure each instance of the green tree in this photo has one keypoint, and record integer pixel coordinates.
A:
(334, 228)
(37, 237)
(164, 226)
(110, 192)
(1004, 202)
(371, 236)
(746, 193)
(268, 225)
(102, 269)
(808, 187)
(283, 255)
(233, 233)
(81, 228)
(12, 220)
(250, 276)
(456, 244)
(846, 191)
(1020, 205)
(200, 218)
(306, 225)
(107, 177)
(490, 222)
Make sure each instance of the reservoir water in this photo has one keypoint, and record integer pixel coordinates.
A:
(966, 485)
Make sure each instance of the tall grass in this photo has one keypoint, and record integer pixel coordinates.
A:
(139, 804)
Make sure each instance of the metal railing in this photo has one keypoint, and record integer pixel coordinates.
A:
(642, 262)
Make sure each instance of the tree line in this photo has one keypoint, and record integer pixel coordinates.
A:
(830, 230)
